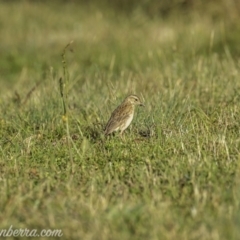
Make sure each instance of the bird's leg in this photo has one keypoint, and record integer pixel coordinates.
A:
(121, 136)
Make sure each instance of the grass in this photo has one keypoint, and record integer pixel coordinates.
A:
(176, 175)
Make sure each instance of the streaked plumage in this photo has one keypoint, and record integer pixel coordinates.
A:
(122, 116)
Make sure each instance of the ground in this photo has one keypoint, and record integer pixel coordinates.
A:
(175, 176)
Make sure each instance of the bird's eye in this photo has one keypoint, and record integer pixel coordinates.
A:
(135, 99)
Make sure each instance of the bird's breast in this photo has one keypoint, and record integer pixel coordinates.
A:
(128, 121)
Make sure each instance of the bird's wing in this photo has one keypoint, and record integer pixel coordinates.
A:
(117, 118)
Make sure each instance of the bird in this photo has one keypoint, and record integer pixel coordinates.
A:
(122, 116)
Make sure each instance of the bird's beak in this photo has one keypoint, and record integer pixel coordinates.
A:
(142, 105)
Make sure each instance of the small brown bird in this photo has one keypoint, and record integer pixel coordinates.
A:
(122, 116)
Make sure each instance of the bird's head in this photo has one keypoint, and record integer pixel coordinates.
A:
(134, 100)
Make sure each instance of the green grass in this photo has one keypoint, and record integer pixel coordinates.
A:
(176, 175)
